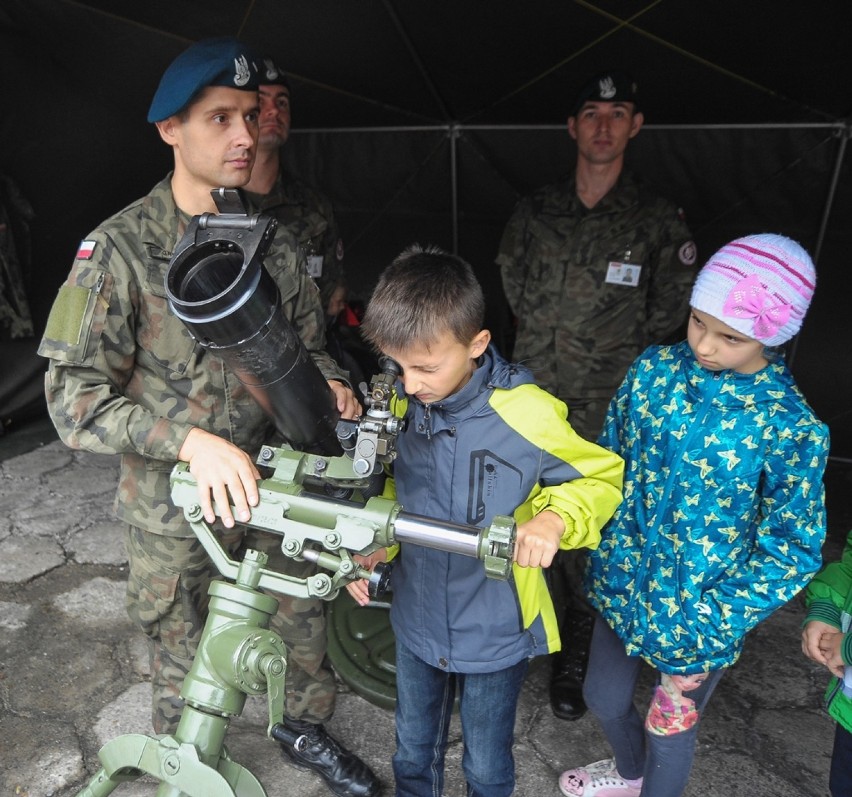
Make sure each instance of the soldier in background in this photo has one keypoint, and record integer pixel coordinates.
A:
(595, 269)
(126, 377)
(303, 210)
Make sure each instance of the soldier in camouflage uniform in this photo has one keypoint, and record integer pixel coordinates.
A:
(302, 209)
(126, 377)
(595, 269)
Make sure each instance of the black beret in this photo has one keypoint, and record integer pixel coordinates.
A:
(272, 74)
(210, 62)
(611, 86)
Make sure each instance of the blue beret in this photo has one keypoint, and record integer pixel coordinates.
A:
(211, 62)
(607, 87)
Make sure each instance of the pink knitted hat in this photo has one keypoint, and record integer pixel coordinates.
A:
(760, 285)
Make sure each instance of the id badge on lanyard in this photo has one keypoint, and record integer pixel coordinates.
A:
(623, 273)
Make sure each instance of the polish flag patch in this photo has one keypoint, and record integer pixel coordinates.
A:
(86, 250)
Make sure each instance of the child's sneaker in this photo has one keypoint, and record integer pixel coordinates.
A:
(600, 779)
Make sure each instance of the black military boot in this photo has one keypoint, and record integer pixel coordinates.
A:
(309, 746)
(569, 667)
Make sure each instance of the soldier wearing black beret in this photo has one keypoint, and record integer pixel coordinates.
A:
(596, 267)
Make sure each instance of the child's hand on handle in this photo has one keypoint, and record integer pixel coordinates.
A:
(360, 589)
(538, 539)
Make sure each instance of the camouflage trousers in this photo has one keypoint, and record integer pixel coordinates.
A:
(587, 416)
(167, 600)
(565, 580)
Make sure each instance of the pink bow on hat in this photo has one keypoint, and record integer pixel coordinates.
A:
(749, 299)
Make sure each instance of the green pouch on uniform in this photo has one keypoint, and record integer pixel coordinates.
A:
(77, 319)
(65, 323)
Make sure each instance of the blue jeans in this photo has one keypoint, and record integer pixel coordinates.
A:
(840, 779)
(663, 761)
(487, 705)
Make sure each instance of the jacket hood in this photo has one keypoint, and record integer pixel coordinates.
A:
(492, 372)
(767, 385)
(506, 375)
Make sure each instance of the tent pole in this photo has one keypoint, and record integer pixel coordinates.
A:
(839, 126)
(832, 189)
(826, 213)
(454, 185)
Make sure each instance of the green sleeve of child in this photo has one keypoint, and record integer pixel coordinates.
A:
(829, 591)
(829, 596)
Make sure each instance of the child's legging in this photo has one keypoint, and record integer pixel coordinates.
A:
(659, 748)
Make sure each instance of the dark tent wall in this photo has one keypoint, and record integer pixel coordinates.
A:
(426, 121)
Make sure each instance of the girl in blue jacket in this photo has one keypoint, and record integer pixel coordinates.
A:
(723, 514)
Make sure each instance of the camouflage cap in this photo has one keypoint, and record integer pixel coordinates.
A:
(211, 62)
(271, 74)
(613, 86)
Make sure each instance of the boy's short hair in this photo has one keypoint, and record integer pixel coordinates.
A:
(421, 295)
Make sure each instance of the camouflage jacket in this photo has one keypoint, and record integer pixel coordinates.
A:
(308, 215)
(125, 375)
(584, 311)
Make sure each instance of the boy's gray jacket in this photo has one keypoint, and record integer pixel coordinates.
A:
(723, 515)
(125, 375)
(501, 445)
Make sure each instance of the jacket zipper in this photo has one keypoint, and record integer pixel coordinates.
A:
(829, 698)
(99, 285)
(694, 429)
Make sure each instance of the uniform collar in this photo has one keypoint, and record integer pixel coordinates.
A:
(623, 195)
(162, 223)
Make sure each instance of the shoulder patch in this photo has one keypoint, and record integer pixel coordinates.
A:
(86, 250)
(688, 253)
(339, 252)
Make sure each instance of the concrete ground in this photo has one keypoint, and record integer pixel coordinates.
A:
(73, 672)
